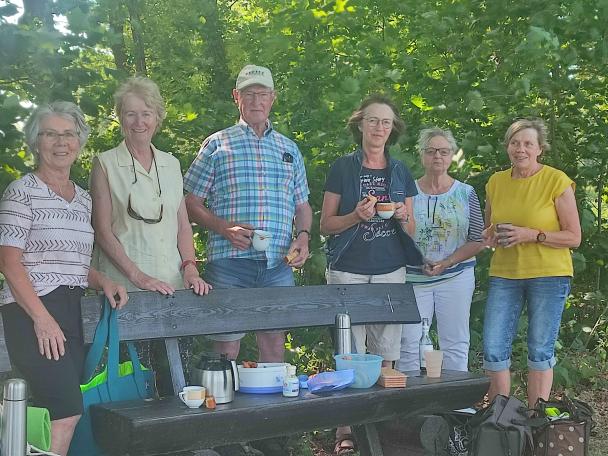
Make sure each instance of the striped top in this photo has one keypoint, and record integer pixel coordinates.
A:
(55, 235)
(247, 179)
(444, 223)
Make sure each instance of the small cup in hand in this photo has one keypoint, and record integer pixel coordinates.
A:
(385, 210)
(261, 240)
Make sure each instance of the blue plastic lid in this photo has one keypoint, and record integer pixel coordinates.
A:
(331, 381)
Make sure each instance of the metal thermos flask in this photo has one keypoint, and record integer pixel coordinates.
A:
(343, 334)
(14, 418)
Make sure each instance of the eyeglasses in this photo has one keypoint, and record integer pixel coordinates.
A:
(262, 96)
(374, 122)
(130, 209)
(53, 135)
(443, 151)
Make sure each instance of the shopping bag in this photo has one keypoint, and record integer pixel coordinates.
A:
(117, 382)
(567, 427)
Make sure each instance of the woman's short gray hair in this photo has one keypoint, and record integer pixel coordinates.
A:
(529, 122)
(147, 90)
(64, 109)
(425, 136)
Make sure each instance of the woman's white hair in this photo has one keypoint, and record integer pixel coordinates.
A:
(64, 109)
(425, 136)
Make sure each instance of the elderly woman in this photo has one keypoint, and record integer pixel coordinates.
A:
(46, 239)
(143, 236)
(364, 247)
(448, 233)
(533, 222)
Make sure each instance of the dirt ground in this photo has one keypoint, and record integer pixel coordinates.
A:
(598, 399)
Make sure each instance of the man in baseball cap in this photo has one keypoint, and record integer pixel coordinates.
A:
(250, 177)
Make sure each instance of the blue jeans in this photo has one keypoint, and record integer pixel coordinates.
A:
(245, 273)
(545, 298)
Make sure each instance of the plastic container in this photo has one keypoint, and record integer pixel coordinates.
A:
(267, 378)
(366, 367)
(331, 381)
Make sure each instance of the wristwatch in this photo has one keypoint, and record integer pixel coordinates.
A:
(540, 237)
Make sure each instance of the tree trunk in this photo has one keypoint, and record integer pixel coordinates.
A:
(138, 36)
(213, 33)
(119, 52)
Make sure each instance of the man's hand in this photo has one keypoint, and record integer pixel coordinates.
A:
(238, 234)
(299, 245)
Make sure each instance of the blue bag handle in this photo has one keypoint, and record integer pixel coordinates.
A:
(99, 344)
(113, 361)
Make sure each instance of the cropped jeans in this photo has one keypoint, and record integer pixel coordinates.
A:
(544, 298)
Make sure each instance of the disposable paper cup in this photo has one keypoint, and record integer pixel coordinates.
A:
(434, 360)
(261, 240)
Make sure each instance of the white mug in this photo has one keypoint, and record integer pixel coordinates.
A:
(192, 396)
(261, 240)
(385, 210)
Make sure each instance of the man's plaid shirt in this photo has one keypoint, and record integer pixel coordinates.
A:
(247, 179)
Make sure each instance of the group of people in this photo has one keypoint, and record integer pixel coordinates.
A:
(134, 233)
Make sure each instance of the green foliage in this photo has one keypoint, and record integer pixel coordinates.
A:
(470, 65)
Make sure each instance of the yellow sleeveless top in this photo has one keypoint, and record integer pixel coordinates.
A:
(528, 202)
(152, 247)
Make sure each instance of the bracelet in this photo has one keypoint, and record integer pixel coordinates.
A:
(303, 231)
(186, 263)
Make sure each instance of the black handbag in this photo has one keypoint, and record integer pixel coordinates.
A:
(501, 429)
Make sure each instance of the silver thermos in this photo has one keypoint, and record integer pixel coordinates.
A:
(343, 334)
(14, 418)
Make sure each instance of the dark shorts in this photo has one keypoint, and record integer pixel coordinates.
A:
(54, 385)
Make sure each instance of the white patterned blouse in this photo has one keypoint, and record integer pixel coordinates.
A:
(55, 235)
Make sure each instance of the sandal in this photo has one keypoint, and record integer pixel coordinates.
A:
(345, 445)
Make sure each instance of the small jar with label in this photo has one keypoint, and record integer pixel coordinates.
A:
(291, 384)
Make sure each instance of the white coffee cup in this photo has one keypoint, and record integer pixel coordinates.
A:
(193, 396)
(261, 240)
(385, 210)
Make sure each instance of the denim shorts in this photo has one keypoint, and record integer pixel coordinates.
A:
(245, 273)
(545, 298)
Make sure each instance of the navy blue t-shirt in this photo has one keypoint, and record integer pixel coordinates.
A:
(376, 248)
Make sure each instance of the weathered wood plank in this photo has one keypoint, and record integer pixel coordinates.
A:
(150, 428)
(152, 315)
(175, 364)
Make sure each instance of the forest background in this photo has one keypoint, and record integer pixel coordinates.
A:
(469, 65)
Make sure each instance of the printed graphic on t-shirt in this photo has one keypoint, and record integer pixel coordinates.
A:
(376, 248)
(376, 185)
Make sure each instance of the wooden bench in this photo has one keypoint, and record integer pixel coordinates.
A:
(166, 425)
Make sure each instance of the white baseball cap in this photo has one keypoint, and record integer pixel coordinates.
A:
(253, 74)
